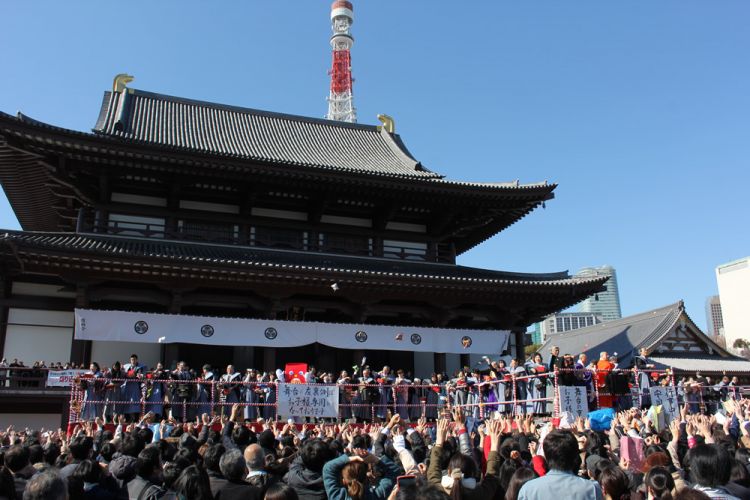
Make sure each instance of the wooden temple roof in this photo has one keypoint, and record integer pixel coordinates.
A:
(329, 267)
(203, 127)
(667, 331)
(41, 167)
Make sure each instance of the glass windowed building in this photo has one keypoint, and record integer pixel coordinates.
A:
(607, 303)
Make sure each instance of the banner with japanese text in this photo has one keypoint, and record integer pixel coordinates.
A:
(308, 400)
(574, 400)
(667, 398)
(62, 378)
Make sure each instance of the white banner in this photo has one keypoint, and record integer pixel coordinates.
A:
(303, 400)
(574, 401)
(62, 378)
(667, 398)
(168, 328)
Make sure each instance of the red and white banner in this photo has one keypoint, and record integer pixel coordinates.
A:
(62, 378)
(125, 326)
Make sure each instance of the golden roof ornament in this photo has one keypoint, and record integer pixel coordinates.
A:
(389, 124)
(121, 81)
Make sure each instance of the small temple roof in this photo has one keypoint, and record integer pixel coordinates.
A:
(704, 365)
(626, 336)
(251, 257)
(245, 133)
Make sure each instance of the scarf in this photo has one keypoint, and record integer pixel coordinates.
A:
(447, 481)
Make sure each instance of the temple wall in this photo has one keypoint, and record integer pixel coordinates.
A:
(36, 335)
(106, 353)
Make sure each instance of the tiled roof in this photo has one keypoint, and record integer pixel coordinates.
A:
(704, 365)
(623, 336)
(245, 133)
(254, 257)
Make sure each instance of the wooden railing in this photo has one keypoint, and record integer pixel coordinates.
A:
(266, 237)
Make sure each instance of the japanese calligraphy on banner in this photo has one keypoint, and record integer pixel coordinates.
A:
(62, 378)
(574, 401)
(307, 400)
(667, 398)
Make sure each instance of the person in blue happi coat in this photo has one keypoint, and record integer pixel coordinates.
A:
(131, 390)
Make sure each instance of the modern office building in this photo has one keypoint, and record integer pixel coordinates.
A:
(563, 322)
(607, 304)
(714, 319)
(734, 292)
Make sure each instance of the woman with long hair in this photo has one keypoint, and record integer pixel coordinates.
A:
(193, 484)
(519, 478)
(614, 483)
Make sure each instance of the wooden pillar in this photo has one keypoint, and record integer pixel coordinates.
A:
(169, 353)
(520, 336)
(5, 291)
(269, 359)
(465, 360)
(80, 350)
(440, 364)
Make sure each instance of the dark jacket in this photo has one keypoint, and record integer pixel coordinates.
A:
(308, 484)
(234, 490)
(20, 479)
(262, 481)
(138, 484)
(216, 481)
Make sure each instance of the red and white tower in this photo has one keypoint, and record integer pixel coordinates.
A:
(340, 99)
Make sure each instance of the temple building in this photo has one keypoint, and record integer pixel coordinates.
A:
(671, 339)
(283, 238)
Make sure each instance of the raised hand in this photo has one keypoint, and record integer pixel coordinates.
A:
(442, 431)
(395, 419)
(674, 429)
(458, 416)
(495, 432)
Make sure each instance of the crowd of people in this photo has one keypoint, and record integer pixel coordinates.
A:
(132, 389)
(695, 456)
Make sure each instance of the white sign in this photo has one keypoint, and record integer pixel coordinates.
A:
(667, 398)
(308, 400)
(126, 326)
(574, 400)
(62, 378)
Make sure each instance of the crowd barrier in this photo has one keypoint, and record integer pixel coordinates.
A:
(536, 393)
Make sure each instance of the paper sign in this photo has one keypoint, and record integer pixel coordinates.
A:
(667, 398)
(308, 400)
(574, 401)
(62, 378)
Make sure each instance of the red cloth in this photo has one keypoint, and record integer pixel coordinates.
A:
(539, 465)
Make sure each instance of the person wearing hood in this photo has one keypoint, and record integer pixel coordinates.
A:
(306, 472)
(122, 466)
(463, 472)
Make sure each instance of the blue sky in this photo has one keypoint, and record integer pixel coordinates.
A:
(638, 110)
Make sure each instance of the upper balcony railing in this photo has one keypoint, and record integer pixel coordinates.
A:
(269, 237)
(26, 378)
